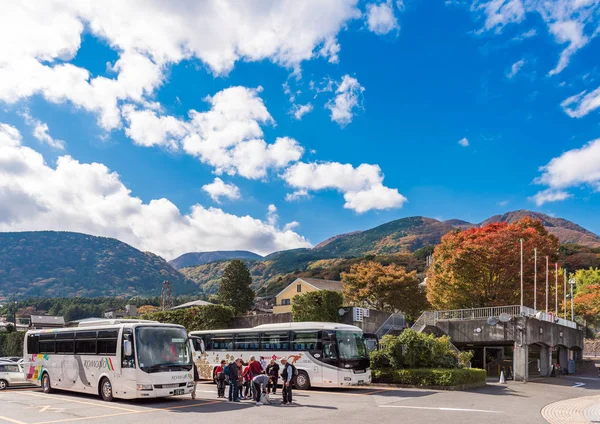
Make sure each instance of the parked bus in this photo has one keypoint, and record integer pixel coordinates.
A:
(325, 354)
(124, 359)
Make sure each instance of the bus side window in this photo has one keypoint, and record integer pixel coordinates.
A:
(128, 361)
(329, 348)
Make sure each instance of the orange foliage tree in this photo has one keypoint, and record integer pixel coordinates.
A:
(481, 266)
(386, 288)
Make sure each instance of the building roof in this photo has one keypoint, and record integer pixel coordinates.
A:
(47, 320)
(192, 303)
(318, 284)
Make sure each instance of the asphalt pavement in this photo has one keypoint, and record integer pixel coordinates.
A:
(513, 402)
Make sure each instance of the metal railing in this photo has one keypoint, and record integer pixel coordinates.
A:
(432, 317)
(394, 322)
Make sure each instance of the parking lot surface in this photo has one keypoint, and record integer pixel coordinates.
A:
(495, 403)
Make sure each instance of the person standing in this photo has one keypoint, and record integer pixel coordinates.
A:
(248, 376)
(255, 366)
(196, 380)
(220, 379)
(260, 383)
(235, 374)
(286, 374)
(273, 373)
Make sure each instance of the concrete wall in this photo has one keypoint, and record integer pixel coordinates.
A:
(370, 324)
(255, 320)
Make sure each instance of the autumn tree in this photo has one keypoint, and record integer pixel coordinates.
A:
(387, 288)
(587, 298)
(481, 266)
(147, 309)
(235, 289)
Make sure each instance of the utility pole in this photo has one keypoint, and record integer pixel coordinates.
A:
(546, 284)
(166, 296)
(521, 272)
(535, 279)
(14, 302)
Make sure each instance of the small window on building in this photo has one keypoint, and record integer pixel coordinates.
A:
(299, 288)
(285, 302)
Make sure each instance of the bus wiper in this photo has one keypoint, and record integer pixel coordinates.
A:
(158, 367)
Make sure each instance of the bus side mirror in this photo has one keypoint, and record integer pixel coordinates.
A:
(127, 348)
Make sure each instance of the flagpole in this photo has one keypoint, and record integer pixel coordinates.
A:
(521, 272)
(565, 293)
(535, 279)
(546, 284)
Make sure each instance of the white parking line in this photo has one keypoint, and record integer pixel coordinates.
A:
(440, 409)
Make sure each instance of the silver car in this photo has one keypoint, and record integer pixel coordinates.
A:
(12, 374)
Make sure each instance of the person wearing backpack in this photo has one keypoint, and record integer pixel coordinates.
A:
(220, 379)
(287, 374)
(234, 370)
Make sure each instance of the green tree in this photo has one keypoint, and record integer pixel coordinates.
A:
(235, 289)
(207, 317)
(322, 305)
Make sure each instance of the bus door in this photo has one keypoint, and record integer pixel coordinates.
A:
(330, 360)
(128, 372)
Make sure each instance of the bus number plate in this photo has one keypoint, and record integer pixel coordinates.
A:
(178, 392)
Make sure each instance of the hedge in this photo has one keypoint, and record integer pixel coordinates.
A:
(438, 377)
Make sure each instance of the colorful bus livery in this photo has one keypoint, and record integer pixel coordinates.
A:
(325, 354)
(124, 359)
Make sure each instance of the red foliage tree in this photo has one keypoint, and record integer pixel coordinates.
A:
(481, 266)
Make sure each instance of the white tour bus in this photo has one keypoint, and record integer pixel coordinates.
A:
(325, 354)
(124, 359)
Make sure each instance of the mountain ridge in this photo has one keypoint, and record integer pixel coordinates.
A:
(200, 258)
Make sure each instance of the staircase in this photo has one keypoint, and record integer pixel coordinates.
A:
(426, 318)
(394, 325)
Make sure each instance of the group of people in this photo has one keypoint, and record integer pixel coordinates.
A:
(254, 380)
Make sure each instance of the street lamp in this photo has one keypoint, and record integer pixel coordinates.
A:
(521, 273)
(546, 284)
(572, 282)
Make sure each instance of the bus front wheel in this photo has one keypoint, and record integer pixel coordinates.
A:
(46, 386)
(302, 381)
(106, 392)
(3, 384)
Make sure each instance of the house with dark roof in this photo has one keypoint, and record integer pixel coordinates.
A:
(39, 322)
(285, 298)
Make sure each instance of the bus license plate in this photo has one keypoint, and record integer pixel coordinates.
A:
(178, 392)
(361, 382)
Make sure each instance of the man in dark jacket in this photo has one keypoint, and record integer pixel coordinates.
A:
(287, 373)
(273, 373)
(235, 372)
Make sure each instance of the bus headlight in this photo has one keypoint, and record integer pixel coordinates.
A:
(190, 384)
(144, 386)
(347, 378)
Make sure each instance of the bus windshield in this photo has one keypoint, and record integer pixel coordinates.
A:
(162, 349)
(351, 345)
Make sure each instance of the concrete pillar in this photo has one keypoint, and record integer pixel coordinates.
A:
(520, 362)
(563, 357)
(545, 361)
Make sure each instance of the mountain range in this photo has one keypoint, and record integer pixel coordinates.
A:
(53, 264)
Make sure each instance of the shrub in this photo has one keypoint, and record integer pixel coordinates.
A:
(11, 344)
(431, 376)
(208, 317)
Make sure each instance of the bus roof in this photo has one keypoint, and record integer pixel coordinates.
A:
(284, 327)
(105, 324)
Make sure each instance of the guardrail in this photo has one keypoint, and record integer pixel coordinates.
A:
(432, 317)
(394, 322)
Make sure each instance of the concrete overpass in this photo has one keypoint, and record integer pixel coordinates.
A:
(528, 341)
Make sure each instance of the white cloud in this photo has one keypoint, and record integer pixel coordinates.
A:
(581, 104)
(567, 21)
(297, 195)
(227, 137)
(549, 195)
(348, 97)
(218, 189)
(272, 216)
(89, 198)
(381, 18)
(362, 186)
(515, 68)
(574, 167)
(300, 110)
(40, 131)
(463, 142)
(150, 36)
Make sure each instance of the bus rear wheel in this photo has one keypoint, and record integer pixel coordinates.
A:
(3, 384)
(302, 381)
(46, 386)
(106, 392)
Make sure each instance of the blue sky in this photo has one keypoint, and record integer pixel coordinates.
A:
(389, 88)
